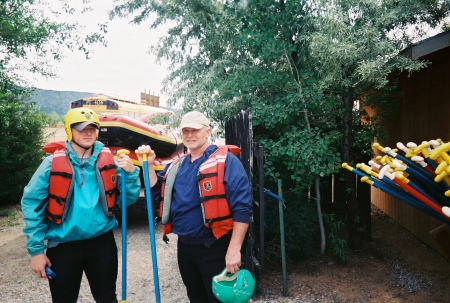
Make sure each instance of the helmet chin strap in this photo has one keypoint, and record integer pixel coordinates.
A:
(85, 148)
(82, 164)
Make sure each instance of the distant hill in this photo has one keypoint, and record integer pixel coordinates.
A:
(50, 101)
(56, 101)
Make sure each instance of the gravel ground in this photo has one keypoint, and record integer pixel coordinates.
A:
(394, 268)
(23, 286)
(19, 284)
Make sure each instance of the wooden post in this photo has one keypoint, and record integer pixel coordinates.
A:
(442, 236)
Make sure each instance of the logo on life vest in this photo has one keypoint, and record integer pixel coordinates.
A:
(113, 179)
(207, 185)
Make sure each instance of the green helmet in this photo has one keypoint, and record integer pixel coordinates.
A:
(233, 288)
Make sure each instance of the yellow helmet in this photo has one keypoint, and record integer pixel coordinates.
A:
(77, 115)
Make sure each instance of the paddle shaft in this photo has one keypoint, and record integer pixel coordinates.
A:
(124, 229)
(148, 195)
(432, 204)
(124, 237)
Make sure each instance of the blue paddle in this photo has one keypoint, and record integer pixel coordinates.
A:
(148, 195)
(124, 229)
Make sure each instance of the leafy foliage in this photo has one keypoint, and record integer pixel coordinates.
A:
(30, 39)
(21, 139)
(338, 244)
(300, 228)
(220, 72)
(304, 67)
(10, 216)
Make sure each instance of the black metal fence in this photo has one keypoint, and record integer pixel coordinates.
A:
(238, 131)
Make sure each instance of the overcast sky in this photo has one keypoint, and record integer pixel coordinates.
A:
(124, 68)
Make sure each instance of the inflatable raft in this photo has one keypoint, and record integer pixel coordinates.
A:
(123, 131)
(158, 164)
(118, 131)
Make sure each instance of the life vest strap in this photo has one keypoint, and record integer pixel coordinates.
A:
(60, 200)
(106, 167)
(212, 197)
(54, 217)
(202, 176)
(211, 221)
(62, 174)
(39, 207)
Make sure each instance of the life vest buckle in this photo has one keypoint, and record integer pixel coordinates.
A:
(202, 176)
(107, 167)
(59, 200)
(166, 239)
(110, 192)
(66, 175)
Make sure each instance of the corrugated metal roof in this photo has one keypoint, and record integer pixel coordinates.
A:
(428, 46)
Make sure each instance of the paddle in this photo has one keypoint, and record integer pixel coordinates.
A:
(148, 195)
(124, 229)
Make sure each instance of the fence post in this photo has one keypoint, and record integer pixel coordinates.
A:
(283, 251)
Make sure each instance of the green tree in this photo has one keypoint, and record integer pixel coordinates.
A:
(228, 57)
(357, 45)
(21, 139)
(28, 30)
(54, 118)
(29, 42)
(300, 65)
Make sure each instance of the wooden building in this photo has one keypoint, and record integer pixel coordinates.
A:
(423, 115)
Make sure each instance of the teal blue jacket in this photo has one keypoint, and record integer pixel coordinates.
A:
(85, 217)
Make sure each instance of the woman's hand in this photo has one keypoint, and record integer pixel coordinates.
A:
(38, 263)
(124, 162)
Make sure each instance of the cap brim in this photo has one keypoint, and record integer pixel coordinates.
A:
(80, 126)
(192, 125)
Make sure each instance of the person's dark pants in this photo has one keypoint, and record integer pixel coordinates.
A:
(198, 264)
(97, 257)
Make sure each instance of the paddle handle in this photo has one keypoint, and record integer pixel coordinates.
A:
(144, 157)
(123, 152)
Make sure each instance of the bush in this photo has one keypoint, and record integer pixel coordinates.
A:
(300, 227)
(21, 138)
(10, 216)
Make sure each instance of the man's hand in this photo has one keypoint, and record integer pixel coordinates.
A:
(145, 149)
(233, 256)
(233, 260)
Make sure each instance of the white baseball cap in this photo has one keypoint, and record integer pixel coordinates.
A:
(194, 119)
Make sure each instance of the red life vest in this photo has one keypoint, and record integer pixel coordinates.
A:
(215, 208)
(62, 181)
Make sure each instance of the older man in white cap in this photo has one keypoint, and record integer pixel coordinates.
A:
(206, 200)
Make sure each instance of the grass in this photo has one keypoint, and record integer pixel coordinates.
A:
(10, 216)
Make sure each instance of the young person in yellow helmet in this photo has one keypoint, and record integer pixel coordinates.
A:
(68, 211)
